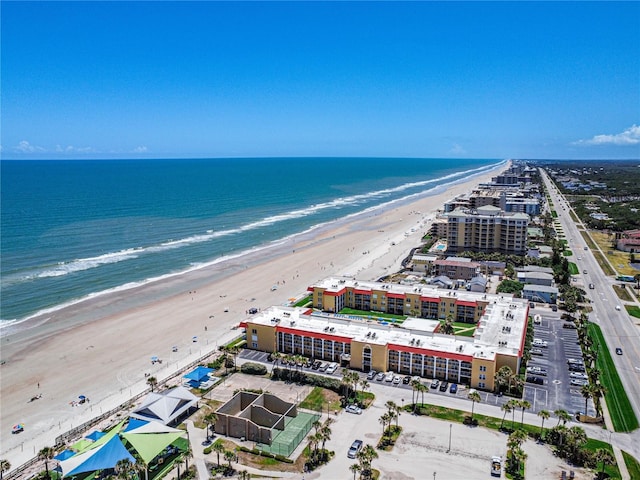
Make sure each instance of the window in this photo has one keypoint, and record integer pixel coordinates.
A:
(481, 385)
(254, 345)
(254, 331)
(482, 376)
(483, 368)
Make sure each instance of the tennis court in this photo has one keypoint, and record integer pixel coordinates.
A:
(284, 442)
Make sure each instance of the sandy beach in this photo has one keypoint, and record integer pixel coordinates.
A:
(101, 348)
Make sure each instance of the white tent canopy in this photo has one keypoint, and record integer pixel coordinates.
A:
(164, 407)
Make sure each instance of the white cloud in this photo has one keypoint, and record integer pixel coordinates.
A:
(140, 149)
(457, 150)
(26, 147)
(631, 136)
(72, 149)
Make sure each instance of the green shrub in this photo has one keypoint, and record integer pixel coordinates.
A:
(253, 369)
(207, 450)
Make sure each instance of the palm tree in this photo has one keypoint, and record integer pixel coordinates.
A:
(369, 454)
(503, 377)
(516, 439)
(563, 416)
(524, 405)
(275, 356)
(506, 408)
(355, 468)
(46, 454)
(447, 326)
(4, 466)
(229, 456)
(422, 388)
(325, 431)
(598, 392)
(605, 457)
(210, 419)
(152, 382)
(544, 415)
(218, 447)
(364, 385)
(474, 397)
(586, 392)
(383, 420)
(179, 462)
(123, 468)
(187, 454)
(415, 385)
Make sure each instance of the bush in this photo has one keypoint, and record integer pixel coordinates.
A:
(303, 378)
(253, 369)
(207, 450)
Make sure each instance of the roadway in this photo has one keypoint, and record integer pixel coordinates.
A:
(618, 327)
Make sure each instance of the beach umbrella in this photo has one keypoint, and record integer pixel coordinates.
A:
(154, 358)
(18, 427)
(82, 397)
(194, 338)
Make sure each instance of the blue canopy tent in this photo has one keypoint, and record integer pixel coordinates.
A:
(95, 435)
(63, 455)
(199, 375)
(134, 423)
(100, 458)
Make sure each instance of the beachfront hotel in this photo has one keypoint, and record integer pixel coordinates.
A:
(414, 346)
(487, 229)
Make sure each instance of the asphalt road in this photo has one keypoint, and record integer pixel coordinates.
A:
(618, 327)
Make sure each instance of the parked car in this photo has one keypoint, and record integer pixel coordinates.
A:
(591, 286)
(579, 375)
(353, 409)
(618, 351)
(537, 351)
(576, 367)
(570, 326)
(539, 343)
(316, 365)
(576, 382)
(554, 308)
(453, 388)
(380, 376)
(371, 375)
(332, 367)
(324, 367)
(253, 310)
(444, 386)
(406, 380)
(396, 380)
(389, 377)
(532, 305)
(354, 449)
(435, 383)
(536, 380)
(537, 370)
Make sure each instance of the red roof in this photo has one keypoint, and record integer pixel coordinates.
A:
(310, 289)
(361, 292)
(465, 303)
(336, 294)
(242, 325)
(426, 351)
(306, 333)
(430, 299)
(395, 295)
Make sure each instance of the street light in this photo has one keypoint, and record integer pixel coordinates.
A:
(450, 427)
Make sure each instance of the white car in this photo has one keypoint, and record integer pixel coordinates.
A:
(579, 375)
(332, 368)
(578, 382)
(396, 380)
(353, 409)
(389, 377)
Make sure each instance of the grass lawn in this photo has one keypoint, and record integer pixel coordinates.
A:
(573, 268)
(632, 465)
(619, 260)
(554, 214)
(374, 315)
(622, 416)
(587, 238)
(303, 301)
(622, 293)
(574, 217)
(634, 312)
(319, 397)
(611, 470)
(463, 329)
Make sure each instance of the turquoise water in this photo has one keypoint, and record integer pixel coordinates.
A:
(71, 229)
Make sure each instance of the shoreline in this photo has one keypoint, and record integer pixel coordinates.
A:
(101, 347)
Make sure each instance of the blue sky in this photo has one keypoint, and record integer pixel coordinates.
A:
(454, 79)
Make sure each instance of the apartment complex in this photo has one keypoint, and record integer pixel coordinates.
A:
(487, 229)
(413, 347)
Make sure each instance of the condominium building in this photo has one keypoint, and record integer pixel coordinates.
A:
(487, 229)
(414, 346)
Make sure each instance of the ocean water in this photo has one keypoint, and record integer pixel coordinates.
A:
(72, 229)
